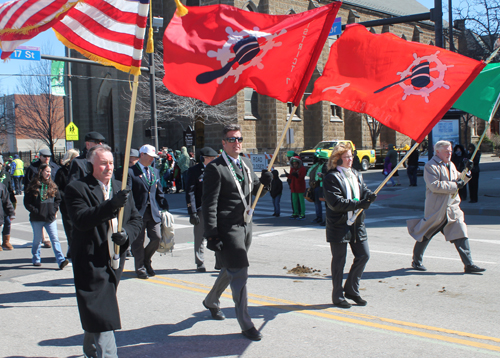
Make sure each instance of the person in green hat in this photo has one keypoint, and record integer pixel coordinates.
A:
(315, 174)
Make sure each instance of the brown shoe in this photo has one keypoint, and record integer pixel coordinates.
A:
(46, 245)
(6, 243)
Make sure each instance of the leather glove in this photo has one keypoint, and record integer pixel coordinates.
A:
(362, 204)
(214, 244)
(120, 199)
(371, 197)
(295, 174)
(120, 238)
(266, 178)
(194, 219)
(469, 164)
(460, 184)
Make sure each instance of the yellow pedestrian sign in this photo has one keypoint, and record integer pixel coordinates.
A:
(71, 132)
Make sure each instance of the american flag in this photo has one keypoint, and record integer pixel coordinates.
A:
(21, 20)
(110, 32)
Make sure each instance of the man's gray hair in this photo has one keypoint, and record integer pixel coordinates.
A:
(441, 144)
(230, 128)
(96, 149)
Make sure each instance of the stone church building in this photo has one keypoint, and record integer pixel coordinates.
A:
(99, 102)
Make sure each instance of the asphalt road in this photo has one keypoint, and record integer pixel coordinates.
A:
(441, 312)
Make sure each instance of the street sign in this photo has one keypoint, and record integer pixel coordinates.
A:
(336, 27)
(71, 132)
(30, 53)
(259, 161)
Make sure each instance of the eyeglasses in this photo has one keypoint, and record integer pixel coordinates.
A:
(44, 156)
(234, 139)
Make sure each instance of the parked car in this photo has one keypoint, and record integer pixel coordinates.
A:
(422, 161)
(366, 157)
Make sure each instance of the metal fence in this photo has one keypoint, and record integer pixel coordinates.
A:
(29, 156)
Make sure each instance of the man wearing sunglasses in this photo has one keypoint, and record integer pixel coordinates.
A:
(228, 185)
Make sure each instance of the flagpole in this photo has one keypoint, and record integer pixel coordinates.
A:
(492, 114)
(357, 212)
(271, 163)
(128, 145)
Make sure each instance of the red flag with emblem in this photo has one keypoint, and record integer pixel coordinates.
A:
(407, 86)
(214, 51)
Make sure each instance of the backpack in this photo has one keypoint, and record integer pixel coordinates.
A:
(167, 241)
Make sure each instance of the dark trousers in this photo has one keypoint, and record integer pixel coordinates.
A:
(143, 255)
(6, 225)
(412, 174)
(17, 184)
(361, 254)
(473, 186)
(199, 248)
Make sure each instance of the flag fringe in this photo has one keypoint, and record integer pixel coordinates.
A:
(103, 61)
(25, 30)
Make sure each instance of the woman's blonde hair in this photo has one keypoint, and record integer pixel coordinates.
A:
(337, 153)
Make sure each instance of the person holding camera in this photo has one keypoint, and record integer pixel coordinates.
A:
(93, 204)
(228, 185)
(345, 192)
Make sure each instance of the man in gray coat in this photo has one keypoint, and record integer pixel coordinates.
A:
(442, 210)
(228, 185)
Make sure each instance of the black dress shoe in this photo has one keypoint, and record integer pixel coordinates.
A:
(201, 269)
(418, 267)
(217, 314)
(473, 269)
(63, 264)
(141, 273)
(150, 271)
(342, 304)
(252, 334)
(357, 299)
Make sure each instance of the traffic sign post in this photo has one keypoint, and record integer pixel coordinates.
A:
(30, 53)
(71, 132)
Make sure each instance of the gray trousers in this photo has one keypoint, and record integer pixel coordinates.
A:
(361, 254)
(199, 248)
(237, 278)
(99, 345)
(143, 255)
(462, 246)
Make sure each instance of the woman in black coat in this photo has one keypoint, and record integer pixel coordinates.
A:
(42, 200)
(345, 192)
(473, 183)
(458, 157)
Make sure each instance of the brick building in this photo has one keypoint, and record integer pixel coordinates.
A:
(99, 104)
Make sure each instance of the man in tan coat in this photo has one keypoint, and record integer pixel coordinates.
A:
(442, 211)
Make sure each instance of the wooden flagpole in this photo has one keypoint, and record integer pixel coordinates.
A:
(273, 159)
(128, 145)
(495, 108)
(357, 212)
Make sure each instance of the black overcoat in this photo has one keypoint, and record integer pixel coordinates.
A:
(338, 206)
(194, 190)
(223, 211)
(95, 279)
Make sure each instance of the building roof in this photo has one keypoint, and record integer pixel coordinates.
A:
(392, 7)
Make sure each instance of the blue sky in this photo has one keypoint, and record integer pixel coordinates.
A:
(52, 46)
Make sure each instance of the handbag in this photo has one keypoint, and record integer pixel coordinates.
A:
(309, 195)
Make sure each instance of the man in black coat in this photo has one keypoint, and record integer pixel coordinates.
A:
(79, 167)
(228, 185)
(45, 158)
(194, 192)
(149, 200)
(93, 202)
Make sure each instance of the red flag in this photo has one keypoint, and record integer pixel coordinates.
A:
(214, 51)
(21, 20)
(407, 86)
(110, 32)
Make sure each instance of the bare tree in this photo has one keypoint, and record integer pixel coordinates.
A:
(482, 21)
(173, 108)
(39, 114)
(375, 128)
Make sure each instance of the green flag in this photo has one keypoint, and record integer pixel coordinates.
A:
(480, 97)
(57, 78)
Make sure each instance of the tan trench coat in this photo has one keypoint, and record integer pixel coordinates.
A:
(439, 205)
